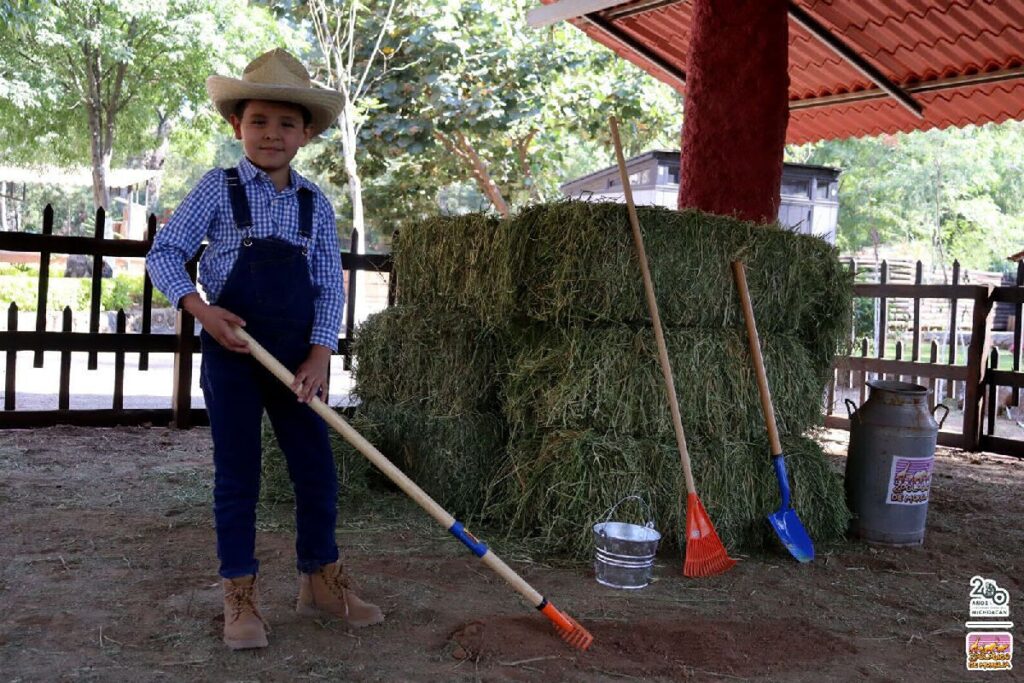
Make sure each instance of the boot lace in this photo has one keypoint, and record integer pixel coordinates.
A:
(243, 599)
(338, 583)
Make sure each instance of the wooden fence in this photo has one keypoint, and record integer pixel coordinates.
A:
(183, 343)
(977, 374)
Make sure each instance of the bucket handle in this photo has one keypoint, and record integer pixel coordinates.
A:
(643, 504)
(851, 408)
(944, 415)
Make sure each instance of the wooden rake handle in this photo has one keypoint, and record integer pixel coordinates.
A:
(740, 275)
(652, 306)
(380, 461)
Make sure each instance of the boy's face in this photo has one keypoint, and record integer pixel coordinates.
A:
(271, 133)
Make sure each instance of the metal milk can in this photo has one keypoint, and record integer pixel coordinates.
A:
(889, 463)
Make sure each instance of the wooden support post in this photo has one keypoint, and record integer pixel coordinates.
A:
(44, 283)
(12, 360)
(977, 354)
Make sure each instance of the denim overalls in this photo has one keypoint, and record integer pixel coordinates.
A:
(270, 288)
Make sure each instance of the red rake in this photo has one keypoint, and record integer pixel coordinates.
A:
(705, 554)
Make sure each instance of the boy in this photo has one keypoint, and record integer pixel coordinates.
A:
(272, 265)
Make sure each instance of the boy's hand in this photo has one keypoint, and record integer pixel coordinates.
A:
(311, 376)
(217, 322)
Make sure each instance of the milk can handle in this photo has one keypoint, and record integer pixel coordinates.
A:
(944, 415)
(851, 408)
(643, 504)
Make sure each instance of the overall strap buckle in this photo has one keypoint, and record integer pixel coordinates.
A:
(239, 202)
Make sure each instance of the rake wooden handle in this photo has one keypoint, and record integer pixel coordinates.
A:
(380, 461)
(740, 274)
(652, 306)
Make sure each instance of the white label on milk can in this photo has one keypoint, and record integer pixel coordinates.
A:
(909, 481)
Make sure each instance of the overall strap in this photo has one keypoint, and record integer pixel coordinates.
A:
(305, 196)
(239, 202)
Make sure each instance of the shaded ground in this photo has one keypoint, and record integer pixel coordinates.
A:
(107, 572)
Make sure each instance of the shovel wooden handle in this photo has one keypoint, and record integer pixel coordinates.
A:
(740, 274)
(652, 306)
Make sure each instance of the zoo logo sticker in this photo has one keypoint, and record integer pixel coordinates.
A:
(989, 651)
(910, 480)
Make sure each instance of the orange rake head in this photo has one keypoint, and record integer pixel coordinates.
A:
(568, 628)
(705, 554)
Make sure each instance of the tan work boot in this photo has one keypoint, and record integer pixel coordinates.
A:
(244, 626)
(329, 592)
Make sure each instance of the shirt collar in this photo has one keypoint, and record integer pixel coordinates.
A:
(248, 170)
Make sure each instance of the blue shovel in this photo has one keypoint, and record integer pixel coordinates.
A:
(787, 525)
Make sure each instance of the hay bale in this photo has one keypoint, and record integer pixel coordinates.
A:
(609, 379)
(276, 485)
(574, 262)
(460, 262)
(440, 360)
(558, 484)
(582, 267)
(452, 458)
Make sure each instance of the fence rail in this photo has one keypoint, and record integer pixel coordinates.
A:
(182, 343)
(980, 375)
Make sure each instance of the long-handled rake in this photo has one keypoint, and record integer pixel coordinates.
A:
(705, 553)
(567, 627)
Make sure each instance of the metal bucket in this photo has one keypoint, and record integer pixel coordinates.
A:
(889, 463)
(623, 552)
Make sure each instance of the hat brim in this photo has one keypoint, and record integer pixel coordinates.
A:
(324, 105)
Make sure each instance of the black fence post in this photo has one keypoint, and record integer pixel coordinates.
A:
(147, 295)
(44, 283)
(12, 360)
(97, 282)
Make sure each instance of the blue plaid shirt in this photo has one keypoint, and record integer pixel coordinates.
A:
(206, 214)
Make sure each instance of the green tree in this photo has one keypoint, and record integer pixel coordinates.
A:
(959, 191)
(79, 76)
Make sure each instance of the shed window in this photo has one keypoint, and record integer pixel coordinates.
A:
(795, 188)
(827, 190)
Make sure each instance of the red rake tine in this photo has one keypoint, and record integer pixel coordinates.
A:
(568, 628)
(705, 553)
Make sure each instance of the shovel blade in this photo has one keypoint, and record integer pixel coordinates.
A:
(791, 532)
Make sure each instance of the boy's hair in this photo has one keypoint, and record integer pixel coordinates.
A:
(307, 116)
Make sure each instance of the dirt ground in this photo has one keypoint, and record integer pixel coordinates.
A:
(107, 572)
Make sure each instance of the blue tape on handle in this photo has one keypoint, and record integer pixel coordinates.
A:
(478, 548)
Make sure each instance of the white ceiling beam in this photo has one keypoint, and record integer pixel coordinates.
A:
(566, 9)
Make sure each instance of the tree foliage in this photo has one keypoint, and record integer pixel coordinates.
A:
(959, 191)
(477, 110)
(81, 78)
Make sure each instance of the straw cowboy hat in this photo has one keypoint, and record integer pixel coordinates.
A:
(279, 77)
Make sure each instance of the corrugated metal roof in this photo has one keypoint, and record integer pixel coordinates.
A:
(963, 60)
